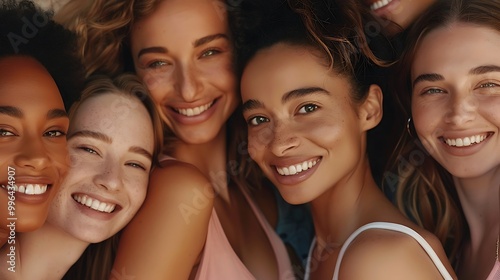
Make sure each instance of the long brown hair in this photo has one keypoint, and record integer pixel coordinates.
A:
(425, 190)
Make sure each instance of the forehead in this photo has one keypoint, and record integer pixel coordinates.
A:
(459, 46)
(180, 18)
(282, 68)
(25, 81)
(112, 113)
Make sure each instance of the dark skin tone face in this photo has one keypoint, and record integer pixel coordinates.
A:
(33, 126)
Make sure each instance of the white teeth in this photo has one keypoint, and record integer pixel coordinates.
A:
(379, 4)
(94, 203)
(31, 189)
(296, 168)
(466, 141)
(190, 112)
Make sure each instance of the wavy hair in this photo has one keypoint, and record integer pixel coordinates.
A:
(426, 192)
(103, 28)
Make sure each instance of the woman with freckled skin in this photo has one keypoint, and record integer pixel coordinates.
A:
(114, 138)
(308, 114)
(450, 92)
(199, 220)
(33, 119)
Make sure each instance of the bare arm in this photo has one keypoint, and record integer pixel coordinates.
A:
(166, 237)
(382, 255)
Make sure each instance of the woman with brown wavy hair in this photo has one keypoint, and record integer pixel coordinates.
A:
(449, 169)
(199, 218)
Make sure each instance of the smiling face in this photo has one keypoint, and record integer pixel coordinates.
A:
(111, 160)
(305, 133)
(456, 98)
(401, 12)
(33, 125)
(184, 54)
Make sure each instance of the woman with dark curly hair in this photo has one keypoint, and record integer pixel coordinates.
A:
(40, 76)
(309, 103)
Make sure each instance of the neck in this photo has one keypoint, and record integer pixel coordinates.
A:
(46, 253)
(352, 202)
(210, 158)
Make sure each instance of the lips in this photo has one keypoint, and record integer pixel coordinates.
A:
(194, 111)
(296, 168)
(465, 141)
(94, 203)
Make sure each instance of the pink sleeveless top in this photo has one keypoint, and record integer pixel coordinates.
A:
(495, 272)
(219, 261)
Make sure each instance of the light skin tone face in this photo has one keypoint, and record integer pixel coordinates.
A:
(33, 126)
(401, 12)
(456, 98)
(110, 143)
(304, 129)
(184, 54)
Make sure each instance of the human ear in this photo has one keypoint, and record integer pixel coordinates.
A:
(370, 111)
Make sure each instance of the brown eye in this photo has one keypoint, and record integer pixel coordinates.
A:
(54, 133)
(257, 120)
(308, 108)
(6, 133)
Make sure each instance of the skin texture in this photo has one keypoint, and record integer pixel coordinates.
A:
(184, 54)
(463, 100)
(298, 116)
(114, 170)
(34, 144)
(400, 14)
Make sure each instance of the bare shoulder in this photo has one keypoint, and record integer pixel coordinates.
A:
(385, 254)
(180, 182)
(166, 237)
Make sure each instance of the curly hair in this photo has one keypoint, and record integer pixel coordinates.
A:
(339, 33)
(27, 30)
(335, 29)
(103, 28)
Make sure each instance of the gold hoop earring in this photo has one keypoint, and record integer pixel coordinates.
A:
(408, 127)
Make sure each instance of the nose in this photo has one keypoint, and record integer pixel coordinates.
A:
(188, 81)
(462, 109)
(33, 155)
(282, 139)
(109, 175)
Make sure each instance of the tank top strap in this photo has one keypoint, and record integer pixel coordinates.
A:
(386, 226)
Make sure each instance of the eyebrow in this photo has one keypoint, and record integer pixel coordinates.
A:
(427, 77)
(11, 111)
(196, 43)
(484, 69)
(56, 113)
(296, 93)
(141, 151)
(91, 134)
(208, 39)
(251, 104)
(152, 50)
(17, 113)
